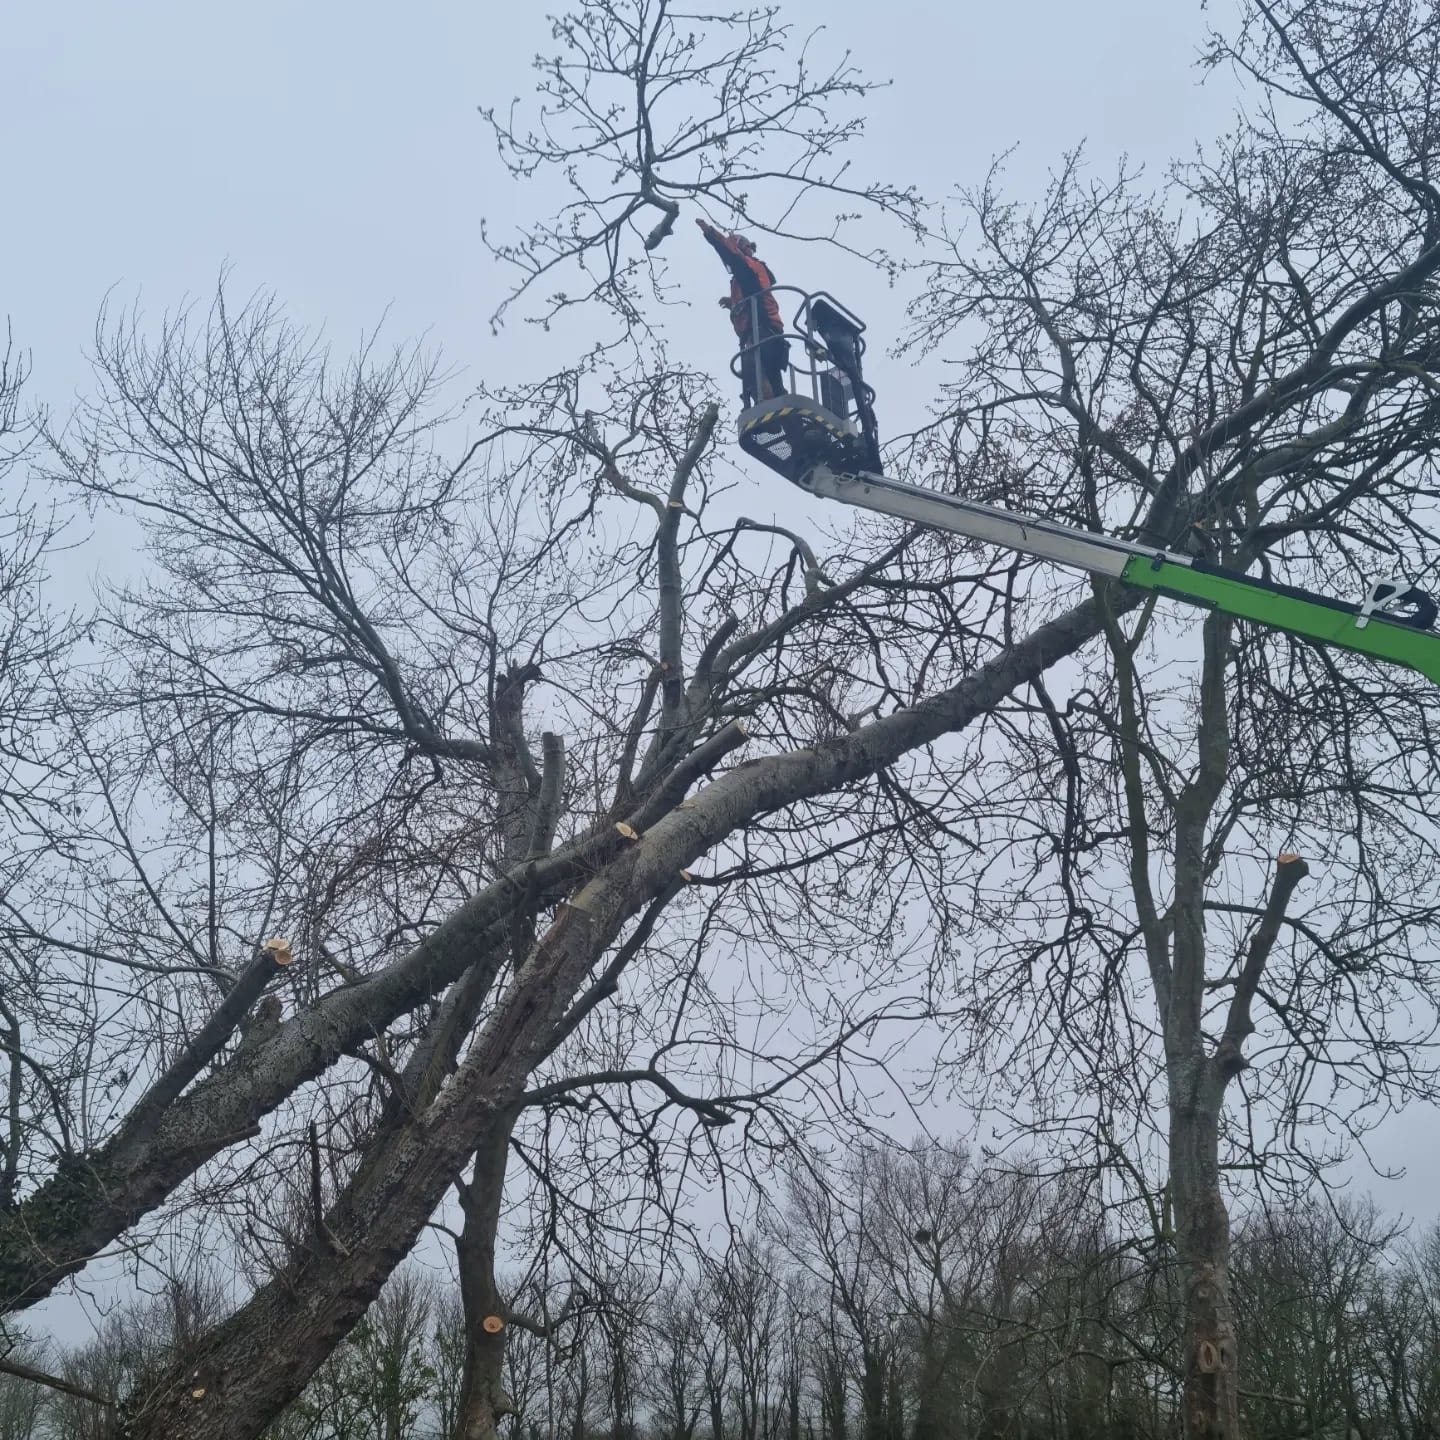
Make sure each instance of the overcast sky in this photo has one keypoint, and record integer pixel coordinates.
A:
(333, 153)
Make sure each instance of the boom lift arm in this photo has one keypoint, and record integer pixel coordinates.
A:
(825, 442)
(1364, 628)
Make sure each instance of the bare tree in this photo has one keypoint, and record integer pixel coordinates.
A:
(34, 638)
(23, 1402)
(1243, 367)
(1396, 1334)
(325, 697)
(1018, 1311)
(1305, 1281)
(643, 109)
(674, 1377)
(463, 720)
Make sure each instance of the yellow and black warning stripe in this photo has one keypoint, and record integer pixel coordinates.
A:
(810, 414)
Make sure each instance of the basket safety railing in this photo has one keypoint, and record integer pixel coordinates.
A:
(810, 368)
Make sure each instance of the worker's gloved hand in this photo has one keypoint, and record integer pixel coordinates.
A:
(725, 302)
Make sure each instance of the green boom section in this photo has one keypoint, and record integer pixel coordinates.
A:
(1365, 630)
(1329, 623)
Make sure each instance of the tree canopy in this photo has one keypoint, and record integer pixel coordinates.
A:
(479, 805)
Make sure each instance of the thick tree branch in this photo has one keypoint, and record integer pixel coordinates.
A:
(54, 1382)
(547, 803)
(671, 582)
(1229, 1054)
(269, 961)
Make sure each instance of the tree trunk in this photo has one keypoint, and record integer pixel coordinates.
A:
(932, 1412)
(483, 1400)
(834, 1402)
(1202, 1235)
(261, 1358)
(872, 1395)
(895, 1406)
(1196, 1079)
(582, 1393)
(717, 1410)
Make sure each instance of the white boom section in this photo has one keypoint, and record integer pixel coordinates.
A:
(1079, 549)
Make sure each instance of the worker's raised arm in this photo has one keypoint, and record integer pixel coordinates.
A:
(733, 257)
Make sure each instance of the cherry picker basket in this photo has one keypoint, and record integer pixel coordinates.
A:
(824, 414)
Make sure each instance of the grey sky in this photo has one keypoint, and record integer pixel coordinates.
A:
(332, 152)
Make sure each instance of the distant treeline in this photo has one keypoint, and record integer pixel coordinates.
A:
(909, 1296)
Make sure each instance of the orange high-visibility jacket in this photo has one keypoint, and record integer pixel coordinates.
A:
(749, 276)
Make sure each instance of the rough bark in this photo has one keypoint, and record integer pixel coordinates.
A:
(1202, 1236)
(1197, 1089)
(93, 1199)
(483, 1399)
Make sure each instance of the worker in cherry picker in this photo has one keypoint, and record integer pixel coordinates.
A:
(764, 351)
